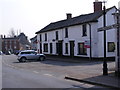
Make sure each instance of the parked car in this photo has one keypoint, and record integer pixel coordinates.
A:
(7, 53)
(26, 55)
(1, 53)
(16, 52)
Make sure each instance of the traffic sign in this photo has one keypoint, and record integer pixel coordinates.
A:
(108, 27)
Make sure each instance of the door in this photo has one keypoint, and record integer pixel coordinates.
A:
(51, 48)
(60, 47)
(40, 47)
(72, 48)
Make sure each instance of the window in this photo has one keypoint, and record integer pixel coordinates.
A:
(45, 47)
(56, 35)
(111, 46)
(66, 32)
(66, 48)
(84, 28)
(40, 37)
(45, 36)
(81, 49)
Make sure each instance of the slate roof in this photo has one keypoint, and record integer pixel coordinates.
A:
(34, 38)
(86, 18)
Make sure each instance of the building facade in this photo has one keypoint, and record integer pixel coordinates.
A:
(14, 44)
(10, 44)
(79, 36)
(34, 43)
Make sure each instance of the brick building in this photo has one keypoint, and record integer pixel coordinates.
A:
(16, 43)
(10, 44)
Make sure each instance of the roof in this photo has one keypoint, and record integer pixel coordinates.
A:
(86, 18)
(35, 37)
(9, 38)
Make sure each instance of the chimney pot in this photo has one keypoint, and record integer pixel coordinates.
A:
(69, 15)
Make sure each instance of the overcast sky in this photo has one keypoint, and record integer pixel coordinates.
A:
(29, 16)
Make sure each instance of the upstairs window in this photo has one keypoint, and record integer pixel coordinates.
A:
(84, 28)
(45, 36)
(66, 32)
(40, 37)
(56, 35)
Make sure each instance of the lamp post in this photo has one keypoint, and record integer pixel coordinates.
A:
(105, 69)
(117, 15)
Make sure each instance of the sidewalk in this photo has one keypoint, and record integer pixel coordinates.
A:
(110, 80)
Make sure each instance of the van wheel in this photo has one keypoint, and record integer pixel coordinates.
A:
(23, 59)
(41, 58)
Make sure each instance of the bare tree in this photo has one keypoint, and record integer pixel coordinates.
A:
(11, 33)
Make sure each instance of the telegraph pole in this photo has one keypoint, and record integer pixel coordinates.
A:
(105, 69)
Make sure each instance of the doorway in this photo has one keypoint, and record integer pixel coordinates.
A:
(72, 48)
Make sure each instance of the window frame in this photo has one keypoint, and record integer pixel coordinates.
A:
(109, 47)
(82, 51)
(66, 32)
(45, 36)
(84, 30)
(66, 48)
(40, 37)
(45, 47)
(56, 33)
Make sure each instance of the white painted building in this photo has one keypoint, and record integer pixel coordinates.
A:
(79, 36)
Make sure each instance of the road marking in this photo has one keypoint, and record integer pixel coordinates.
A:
(48, 74)
(35, 72)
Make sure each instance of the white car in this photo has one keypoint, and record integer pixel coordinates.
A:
(1, 53)
(26, 55)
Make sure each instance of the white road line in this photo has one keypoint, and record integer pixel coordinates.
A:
(48, 74)
(35, 72)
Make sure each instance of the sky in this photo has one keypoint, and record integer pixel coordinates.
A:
(30, 16)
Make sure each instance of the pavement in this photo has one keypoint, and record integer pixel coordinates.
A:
(111, 80)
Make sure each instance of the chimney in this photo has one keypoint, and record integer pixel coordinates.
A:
(69, 15)
(97, 5)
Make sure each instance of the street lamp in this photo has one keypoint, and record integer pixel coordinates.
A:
(105, 69)
(117, 15)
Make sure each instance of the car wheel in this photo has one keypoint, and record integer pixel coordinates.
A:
(42, 58)
(23, 59)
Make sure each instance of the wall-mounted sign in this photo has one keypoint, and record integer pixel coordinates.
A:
(87, 44)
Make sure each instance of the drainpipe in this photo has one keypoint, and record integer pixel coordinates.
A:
(90, 41)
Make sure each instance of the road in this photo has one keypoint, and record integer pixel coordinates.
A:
(46, 74)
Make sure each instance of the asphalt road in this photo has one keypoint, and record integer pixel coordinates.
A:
(46, 74)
